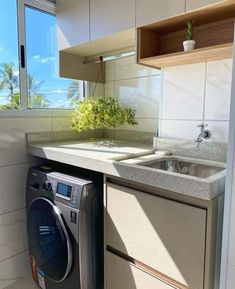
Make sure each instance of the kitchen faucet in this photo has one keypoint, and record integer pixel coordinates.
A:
(204, 134)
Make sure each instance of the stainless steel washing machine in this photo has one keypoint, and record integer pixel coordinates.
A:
(64, 223)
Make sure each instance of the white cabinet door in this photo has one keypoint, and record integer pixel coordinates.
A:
(148, 11)
(194, 4)
(122, 275)
(166, 235)
(72, 22)
(111, 16)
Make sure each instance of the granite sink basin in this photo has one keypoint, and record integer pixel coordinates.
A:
(181, 166)
(199, 178)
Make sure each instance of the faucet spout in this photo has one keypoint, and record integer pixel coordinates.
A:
(204, 134)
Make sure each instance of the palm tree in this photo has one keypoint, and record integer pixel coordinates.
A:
(73, 92)
(8, 79)
(35, 98)
(13, 104)
(38, 101)
(33, 85)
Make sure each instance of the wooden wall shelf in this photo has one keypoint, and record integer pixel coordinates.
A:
(161, 44)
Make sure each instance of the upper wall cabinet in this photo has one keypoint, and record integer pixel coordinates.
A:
(192, 4)
(148, 11)
(72, 22)
(110, 16)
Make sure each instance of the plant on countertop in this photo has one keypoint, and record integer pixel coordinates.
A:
(101, 112)
(189, 43)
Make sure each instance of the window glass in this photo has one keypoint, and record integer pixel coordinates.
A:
(45, 88)
(9, 68)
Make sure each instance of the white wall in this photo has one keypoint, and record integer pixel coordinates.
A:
(228, 250)
(193, 93)
(136, 86)
(14, 164)
(176, 99)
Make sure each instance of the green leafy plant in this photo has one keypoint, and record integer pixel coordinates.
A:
(101, 112)
(189, 30)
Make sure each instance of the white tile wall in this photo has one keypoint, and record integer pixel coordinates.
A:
(12, 138)
(183, 92)
(179, 129)
(14, 269)
(219, 131)
(13, 237)
(59, 124)
(14, 164)
(218, 90)
(140, 93)
(138, 87)
(12, 187)
(193, 93)
(126, 68)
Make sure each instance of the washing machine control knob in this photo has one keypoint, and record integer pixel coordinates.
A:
(47, 186)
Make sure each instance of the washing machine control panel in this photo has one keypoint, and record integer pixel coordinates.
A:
(67, 190)
(64, 191)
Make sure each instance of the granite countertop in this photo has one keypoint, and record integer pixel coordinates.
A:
(120, 158)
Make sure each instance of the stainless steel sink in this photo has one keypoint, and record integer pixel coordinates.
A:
(180, 166)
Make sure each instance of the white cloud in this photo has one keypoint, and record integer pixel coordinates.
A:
(36, 57)
(47, 59)
(58, 91)
(43, 59)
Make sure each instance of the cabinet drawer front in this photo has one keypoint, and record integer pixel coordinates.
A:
(123, 275)
(166, 235)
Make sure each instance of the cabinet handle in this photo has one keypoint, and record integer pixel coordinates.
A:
(160, 276)
(22, 56)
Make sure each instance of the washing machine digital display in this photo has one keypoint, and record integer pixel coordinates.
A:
(64, 190)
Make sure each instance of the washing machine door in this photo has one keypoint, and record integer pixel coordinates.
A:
(49, 241)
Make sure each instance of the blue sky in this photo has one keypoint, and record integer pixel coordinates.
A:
(41, 44)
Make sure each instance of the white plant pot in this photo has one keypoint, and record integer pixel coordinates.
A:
(189, 45)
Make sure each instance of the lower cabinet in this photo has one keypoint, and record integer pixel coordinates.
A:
(170, 238)
(123, 275)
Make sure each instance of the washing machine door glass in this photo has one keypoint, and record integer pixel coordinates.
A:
(48, 240)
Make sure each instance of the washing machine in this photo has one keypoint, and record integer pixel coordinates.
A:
(65, 229)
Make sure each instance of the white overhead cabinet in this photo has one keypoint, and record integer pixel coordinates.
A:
(111, 16)
(148, 11)
(72, 22)
(192, 4)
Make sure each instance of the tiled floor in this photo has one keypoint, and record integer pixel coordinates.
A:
(26, 283)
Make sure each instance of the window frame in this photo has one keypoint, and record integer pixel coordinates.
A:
(24, 111)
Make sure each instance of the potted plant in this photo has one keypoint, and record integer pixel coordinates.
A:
(101, 112)
(189, 43)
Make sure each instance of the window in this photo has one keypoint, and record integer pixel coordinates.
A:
(39, 81)
(45, 88)
(9, 69)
